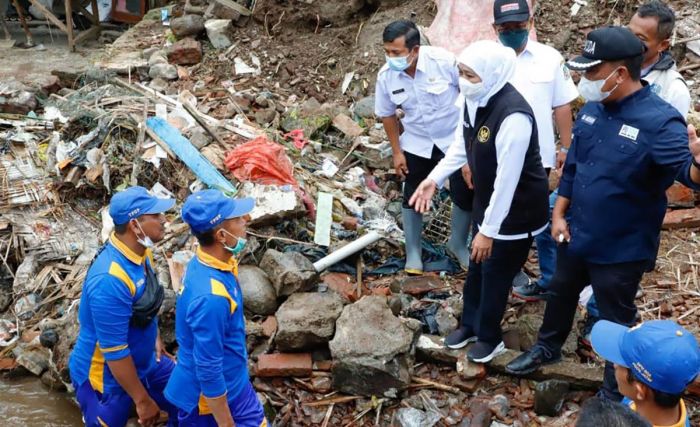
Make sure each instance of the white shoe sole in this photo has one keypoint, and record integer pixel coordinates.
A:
(500, 349)
(462, 344)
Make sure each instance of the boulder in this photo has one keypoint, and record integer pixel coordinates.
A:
(163, 71)
(373, 349)
(186, 26)
(259, 295)
(290, 272)
(364, 108)
(446, 322)
(159, 57)
(307, 320)
(220, 33)
(226, 9)
(549, 397)
(528, 326)
(187, 51)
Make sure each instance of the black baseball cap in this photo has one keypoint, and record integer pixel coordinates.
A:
(607, 44)
(510, 11)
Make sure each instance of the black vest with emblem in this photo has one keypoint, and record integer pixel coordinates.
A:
(529, 210)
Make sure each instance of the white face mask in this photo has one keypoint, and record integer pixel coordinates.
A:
(471, 91)
(591, 90)
(146, 241)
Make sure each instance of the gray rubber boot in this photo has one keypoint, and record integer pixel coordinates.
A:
(458, 244)
(412, 230)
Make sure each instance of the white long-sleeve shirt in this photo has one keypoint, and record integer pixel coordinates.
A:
(511, 142)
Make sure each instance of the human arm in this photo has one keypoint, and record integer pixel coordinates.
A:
(564, 123)
(386, 109)
(110, 304)
(560, 228)
(694, 145)
(673, 150)
(207, 316)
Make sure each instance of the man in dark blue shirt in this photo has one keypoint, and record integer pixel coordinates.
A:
(628, 147)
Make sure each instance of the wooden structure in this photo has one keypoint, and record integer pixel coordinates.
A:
(67, 27)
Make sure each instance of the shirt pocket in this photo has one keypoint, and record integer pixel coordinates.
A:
(399, 98)
(439, 95)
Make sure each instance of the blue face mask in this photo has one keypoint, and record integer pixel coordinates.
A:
(514, 39)
(240, 244)
(398, 63)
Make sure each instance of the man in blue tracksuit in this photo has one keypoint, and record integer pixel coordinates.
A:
(116, 361)
(210, 385)
(628, 147)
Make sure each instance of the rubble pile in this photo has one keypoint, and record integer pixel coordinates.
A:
(272, 102)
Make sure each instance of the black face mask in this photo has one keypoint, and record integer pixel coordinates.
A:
(146, 308)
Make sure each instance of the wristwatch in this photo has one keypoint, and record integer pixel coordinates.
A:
(563, 149)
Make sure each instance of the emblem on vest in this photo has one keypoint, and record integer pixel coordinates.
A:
(483, 135)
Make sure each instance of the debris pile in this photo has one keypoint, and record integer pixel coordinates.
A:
(272, 102)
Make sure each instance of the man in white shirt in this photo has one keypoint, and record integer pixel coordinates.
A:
(653, 25)
(545, 83)
(423, 83)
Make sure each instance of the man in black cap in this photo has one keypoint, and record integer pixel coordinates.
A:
(627, 149)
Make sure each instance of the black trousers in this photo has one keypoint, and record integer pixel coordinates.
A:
(419, 168)
(487, 287)
(614, 288)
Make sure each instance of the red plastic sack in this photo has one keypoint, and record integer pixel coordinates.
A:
(261, 161)
(459, 23)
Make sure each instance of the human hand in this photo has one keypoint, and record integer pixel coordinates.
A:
(400, 165)
(481, 248)
(422, 198)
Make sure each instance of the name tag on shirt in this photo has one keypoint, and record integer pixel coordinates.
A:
(398, 91)
(629, 132)
(589, 120)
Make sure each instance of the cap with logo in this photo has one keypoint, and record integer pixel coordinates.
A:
(605, 45)
(134, 202)
(206, 209)
(505, 11)
(660, 353)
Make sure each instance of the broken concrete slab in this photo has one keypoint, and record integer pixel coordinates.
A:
(431, 348)
(187, 51)
(186, 26)
(273, 204)
(682, 218)
(259, 295)
(290, 271)
(226, 9)
(284, 365)
(220, 32)
(347, 126)
(382, 365)
(579, 376)
(307, 320)
(16, 98)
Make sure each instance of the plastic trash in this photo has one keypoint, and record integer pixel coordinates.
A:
(261, 161)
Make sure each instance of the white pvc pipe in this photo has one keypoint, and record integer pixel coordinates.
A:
(347, 250)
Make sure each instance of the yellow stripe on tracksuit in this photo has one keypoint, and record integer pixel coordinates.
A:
(117, 271)
(218, 288)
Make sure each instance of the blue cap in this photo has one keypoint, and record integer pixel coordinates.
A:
(134, 202)
(206, 209)
(661, 353)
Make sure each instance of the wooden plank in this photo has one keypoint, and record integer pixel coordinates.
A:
(92, 32)
(50, 16)
(93, 18)
(69, 24)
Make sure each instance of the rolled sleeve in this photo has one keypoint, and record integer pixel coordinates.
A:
(207, 318)
(110, 303)
(383, 107)
(670, 151)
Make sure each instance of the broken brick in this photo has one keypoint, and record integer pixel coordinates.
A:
(381, 290)
(342, 284)
(284, 365)
(187, 51)
(680, 196)
(682, 218)
(269, 326)
(416, 286)
(7, 364)
(469, 370)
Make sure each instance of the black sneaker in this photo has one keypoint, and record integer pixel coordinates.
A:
(530, 292)
(483, 352)
(521, 279)
(460, 338)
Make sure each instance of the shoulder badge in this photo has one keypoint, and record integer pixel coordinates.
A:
(484, 134)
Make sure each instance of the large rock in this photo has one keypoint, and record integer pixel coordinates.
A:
(185, 52)
(373, 349)
(307, 320)
(259, 295)
(163, 71)
(220, 32)
(364, 108)
(549, 397)
(186, 26)
(16, 98)
(290, 271)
